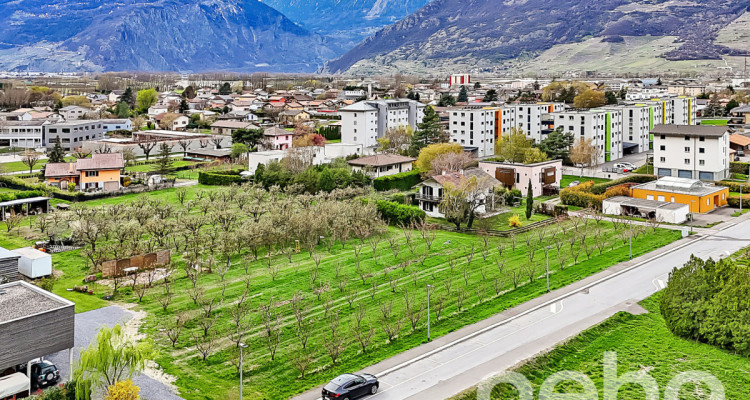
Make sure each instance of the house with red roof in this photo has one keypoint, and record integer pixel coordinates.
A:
(101, 172)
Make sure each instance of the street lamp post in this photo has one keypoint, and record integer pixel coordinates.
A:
(242, 346)
(428, 311)
(692, 216)
(546, 255)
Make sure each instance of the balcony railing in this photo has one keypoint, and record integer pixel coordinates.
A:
(425, 197)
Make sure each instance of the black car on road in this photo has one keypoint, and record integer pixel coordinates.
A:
(350, 386)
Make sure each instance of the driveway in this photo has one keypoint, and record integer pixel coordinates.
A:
(87, 326)
(637, 159)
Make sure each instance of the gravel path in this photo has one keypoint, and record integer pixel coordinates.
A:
(87, 325)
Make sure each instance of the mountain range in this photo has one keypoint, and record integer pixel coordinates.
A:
(494, 34)
(374, 36)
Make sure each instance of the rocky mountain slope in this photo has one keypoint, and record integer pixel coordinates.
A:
(155, 35)
(348, 21)
(492, 34)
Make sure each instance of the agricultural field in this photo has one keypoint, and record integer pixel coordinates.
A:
(643, 344)
(315, 285)
(19, 166)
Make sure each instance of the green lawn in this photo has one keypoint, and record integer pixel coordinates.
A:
(714, 122)
(642, 343)
(17, 166)
(567, 179)
(645, 169)
(155, 166)
(460, 266)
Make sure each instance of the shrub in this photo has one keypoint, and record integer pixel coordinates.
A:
(126, 181)
(402, 181)
(514, 221)
(399, 214)
(735, 186)
(734, 201)
(600, 188)
(220, 178)
(20, 195)
(47, 283)
(739, 168)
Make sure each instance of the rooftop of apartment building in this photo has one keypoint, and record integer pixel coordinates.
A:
(690, 130)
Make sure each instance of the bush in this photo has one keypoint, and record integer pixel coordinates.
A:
(735, 186)
(399, 214)
(220, 178)
(402, 181)
(20, 195)
(600, 188)
(47, 283)
(739, 168)
(707, 301)
(734, 201)
(514, 221)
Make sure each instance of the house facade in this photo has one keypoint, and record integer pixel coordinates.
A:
(277, 138)
(110, 125)
(72, 113)
(474, 129)
(543, 175)
(101, 172)
(379, 165)
(603, 127)
(22, 134)
(72, 134)
(367, 121)
(691, 151)
(431, 191)
(228, 127)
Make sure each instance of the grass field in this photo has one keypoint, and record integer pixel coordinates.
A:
(714, 122)
(18, 166)
(643, 344)
(567, 179)
(155, 166)
(472, 282)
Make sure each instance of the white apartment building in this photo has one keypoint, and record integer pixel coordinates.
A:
(604, 127)
(684, 110)
(645, 93)
(636, 127)
(474, 129)
(72, 133)
(691, 151)
(72, 113)
(22, 134)
(367, 121)
(528, 117)
(110, 125)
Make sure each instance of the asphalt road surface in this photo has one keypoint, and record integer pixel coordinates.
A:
(483, 351)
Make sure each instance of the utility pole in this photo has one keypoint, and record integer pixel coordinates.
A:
(428, 311)
(242, 346)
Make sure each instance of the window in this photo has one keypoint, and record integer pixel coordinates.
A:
(660, 198)
(702, 162)
(662, 137)
(663, 159)
(687, 137)
(92, 173)
(687, 161)
(702, 139)
(687, 149)
(649, 197)
(663, 148)
(672, 199)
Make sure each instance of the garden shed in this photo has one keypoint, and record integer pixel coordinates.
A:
(34, 263)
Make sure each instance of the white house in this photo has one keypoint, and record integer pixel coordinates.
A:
(691, 151)
(72, 113)
(637, 122)
(382, 164)
(431, 191)
(110, 125)
(474, 129)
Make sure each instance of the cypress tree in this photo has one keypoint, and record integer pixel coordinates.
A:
(529, 201)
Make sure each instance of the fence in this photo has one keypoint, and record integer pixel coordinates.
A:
(117, 267)
(492, 232)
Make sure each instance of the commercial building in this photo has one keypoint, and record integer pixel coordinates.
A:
(460, 79)
(365, 122)
(699, 196)
(603, 127)
(474, 129)
(72, 134)
(22, 134)
(544, 176)
(691, 151)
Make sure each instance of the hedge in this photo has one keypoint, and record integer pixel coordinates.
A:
(739, 168)
(734, 201)
(21, 195)
(600, 188)
(399, 214)
(583, 196)
(735, 186)
(220, 178)
(402, 181)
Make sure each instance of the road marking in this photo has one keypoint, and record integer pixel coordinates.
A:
(556, 308)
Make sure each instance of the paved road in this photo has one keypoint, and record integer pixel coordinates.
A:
(87, 325)
(454, 363)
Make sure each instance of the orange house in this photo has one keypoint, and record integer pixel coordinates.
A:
(100, 172)
(700, 197)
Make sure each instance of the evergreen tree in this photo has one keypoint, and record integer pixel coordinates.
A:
(225, 89)
(490, 96)
(529, 201)
(122, 110)
(57, 154)
(658, 82)
(183, 106)
(446, 100)
(189, 93)
(164, 162)
(557, 144)
(610, 97)
(429, 131)
(258, 178)
(477, 85)
(463, 95)
(128, 97)
(326, 181)
(732, 104)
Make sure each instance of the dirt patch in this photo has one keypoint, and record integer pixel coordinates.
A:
(132, 330)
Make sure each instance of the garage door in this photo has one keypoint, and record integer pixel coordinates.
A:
(664, 172)
(685, 174)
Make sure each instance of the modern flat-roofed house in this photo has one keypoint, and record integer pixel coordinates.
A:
(431, 191)
(382, 164)
(72, 134)
(100, 172)
(691, 151)
(699, 196)
(8, 265)
(123, 124)
(34, 323)
(72, 113)
(544, 176)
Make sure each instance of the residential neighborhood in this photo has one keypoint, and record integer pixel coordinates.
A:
(214, 236)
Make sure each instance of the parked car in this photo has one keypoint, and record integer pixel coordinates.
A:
(574, 183)
(625, 166)
(740, 153)
(44, 373)
(350, 386)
